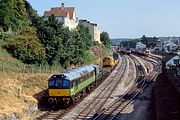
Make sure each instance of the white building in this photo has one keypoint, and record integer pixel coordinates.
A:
(174, 61)
(140, 45)
(167, 46)
(66, 15)
(93, 30)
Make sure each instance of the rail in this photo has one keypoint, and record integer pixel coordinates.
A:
(115, 108)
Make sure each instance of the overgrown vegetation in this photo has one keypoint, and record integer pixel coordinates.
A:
(150, 42)
(129, 43)
(34, 40)
(26, 46)
(105, 39)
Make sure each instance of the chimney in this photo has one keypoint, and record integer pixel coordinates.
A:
(62, 5)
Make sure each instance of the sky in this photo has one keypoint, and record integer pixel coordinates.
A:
(124, 18)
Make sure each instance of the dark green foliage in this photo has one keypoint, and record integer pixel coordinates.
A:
(31, 13)
(13, 14)
(5, 14)
(105, 39)
(26, 46)
(129, 43)
(149, 41)
(51, 33)
(19, 9)
(85, 36)
(63, 47)
(49, 43)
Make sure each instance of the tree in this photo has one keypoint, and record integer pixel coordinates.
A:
(149, 41)
(26, 46)
(6, 14)
(104, 37)
(129, 43)
(31, 13)
(12, 14)
(144, 40)
(85, 36)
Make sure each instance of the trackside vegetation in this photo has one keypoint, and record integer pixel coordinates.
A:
(31, 39)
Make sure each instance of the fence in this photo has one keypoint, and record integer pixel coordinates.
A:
(16, 68)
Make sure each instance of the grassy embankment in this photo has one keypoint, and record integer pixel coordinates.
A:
(20, 82)
(17, 86)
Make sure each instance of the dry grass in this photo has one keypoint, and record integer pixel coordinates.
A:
(17, 90)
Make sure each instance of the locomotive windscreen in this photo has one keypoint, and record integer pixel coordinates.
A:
(59, 83)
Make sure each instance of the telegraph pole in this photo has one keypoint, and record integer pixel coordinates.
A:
(163, 62)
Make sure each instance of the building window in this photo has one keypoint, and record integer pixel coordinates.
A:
(176, 61)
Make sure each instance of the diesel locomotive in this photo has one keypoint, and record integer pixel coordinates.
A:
(109, 62)
(66, 88)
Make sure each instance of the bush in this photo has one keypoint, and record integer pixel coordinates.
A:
(26, 47)
(89, 57)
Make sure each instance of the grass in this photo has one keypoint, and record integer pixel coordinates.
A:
(10, 64)
(17, 91)
(20, 82)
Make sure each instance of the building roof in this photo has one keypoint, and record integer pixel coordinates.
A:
(86, 21)
(169, 62)
(61, 12)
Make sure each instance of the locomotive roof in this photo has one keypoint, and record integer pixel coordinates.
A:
(77, 72)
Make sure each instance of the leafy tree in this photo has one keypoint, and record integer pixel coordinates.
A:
(85, 36)
(31, 13)
(144, 40)
(12, 12)
(6, 14)
(50, 42)
(149, 41)
(63, 47)
(53, 36)
(129, 43)
(19, 9)
(26, 46)
(104, 37)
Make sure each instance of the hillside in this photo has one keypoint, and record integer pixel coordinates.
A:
(19, 84)
(31, 50)
(17, 93)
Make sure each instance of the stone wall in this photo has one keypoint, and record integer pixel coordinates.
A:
(174, 77)
(167, 99)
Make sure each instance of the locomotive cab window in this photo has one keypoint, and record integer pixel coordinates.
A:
(58, 83)
(66, 83)
(51, 83)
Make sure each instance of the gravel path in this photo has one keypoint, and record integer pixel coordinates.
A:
(137, 110)
(121, 88)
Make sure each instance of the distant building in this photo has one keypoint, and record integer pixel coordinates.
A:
(140, 45)
(174, 61)
(66, 15)
(167, 46)
(93, 30)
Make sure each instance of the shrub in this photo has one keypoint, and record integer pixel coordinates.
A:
(26, 46)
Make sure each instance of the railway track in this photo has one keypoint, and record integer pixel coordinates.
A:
(119, 104)
(93, 107)
(54, 115)
(105, 93)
